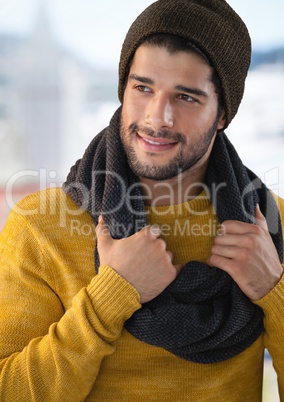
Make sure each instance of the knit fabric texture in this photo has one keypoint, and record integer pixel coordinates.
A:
(47, 261)
(211, 25)
(202, 316)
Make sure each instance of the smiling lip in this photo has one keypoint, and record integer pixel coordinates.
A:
(155, 144)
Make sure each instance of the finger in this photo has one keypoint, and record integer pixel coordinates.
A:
(260, 219)
(248, 240)
(170, 254)
(227, 251)
(231, 240)
(102, 231)
(153, 230)
(242, 228)
(178, 268)
(220, 262)
(234, 227)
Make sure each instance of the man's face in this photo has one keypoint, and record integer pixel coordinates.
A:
(169, 113)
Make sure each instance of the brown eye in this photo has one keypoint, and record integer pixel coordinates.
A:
(186, 98)
(142, 88)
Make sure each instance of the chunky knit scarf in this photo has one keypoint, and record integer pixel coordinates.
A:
(202, 316)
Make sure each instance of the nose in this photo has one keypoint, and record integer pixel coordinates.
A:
(159, 112)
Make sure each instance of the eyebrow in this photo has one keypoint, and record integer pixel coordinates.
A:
(139, 78)
(193, 91)
(182, 88)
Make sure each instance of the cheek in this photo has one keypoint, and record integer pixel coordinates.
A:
(187, 124)
(131, 113)
(133, 106)
(193, 124)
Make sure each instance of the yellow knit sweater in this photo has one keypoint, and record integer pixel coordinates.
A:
(61, 326)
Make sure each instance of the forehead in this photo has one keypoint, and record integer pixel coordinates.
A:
(163, 64)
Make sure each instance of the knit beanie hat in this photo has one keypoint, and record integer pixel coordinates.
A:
(213, 26)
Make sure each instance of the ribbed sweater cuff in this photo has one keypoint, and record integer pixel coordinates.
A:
(113, 298)
(273, 302)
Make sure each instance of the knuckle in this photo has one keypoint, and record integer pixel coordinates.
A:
(258, 230)
(146, 231)
(149, 231)
(161, 244)
(218, 239)
(214, 259)
(252, 241)
(170, 255)
(215, 249)
(238, 268)
(142, 232)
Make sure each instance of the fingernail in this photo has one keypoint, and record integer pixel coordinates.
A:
(221, 230)
(155, 230)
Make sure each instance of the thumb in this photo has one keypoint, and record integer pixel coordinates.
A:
(102, 232)
(260, 219)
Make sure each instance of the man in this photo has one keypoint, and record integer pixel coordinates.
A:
(156, 272)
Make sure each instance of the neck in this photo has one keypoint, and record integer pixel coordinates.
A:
(179, 189)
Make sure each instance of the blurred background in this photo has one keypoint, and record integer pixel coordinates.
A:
(58, 89)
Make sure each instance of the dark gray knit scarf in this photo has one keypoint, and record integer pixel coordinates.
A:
(202, 316)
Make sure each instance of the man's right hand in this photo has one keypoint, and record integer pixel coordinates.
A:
(141, 259)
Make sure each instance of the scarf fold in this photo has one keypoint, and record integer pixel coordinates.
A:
(202, 316)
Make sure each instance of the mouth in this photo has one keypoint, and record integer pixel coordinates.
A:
(155, 144)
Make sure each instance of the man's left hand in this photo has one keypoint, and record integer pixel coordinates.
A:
(247, 253)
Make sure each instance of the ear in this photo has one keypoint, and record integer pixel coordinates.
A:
(222, 121)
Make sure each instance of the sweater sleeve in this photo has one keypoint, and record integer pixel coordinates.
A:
(47, 353)
(273, 308)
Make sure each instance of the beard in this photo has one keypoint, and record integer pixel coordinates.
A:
(187, 156)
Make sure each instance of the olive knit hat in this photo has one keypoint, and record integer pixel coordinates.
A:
(213, 26)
